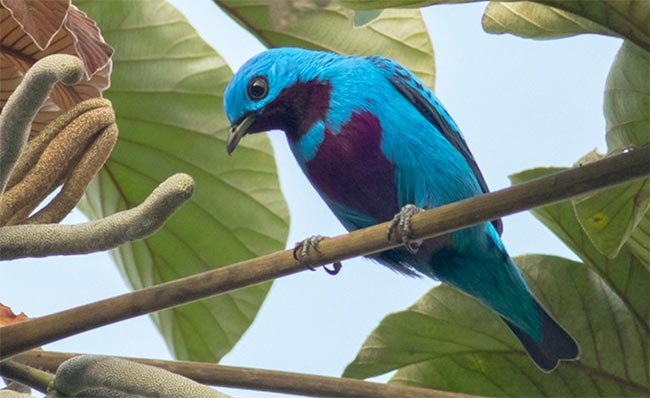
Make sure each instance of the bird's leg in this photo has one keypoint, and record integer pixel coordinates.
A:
(301, 254)
(401, 227)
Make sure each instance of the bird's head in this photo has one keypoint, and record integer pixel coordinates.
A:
(268, 92)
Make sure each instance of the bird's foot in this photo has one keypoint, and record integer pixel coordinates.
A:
(301, 254)
(400, 228)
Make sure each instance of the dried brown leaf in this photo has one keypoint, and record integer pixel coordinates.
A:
(41, 20)
(7, 316)
(79, 36)
(88, 41)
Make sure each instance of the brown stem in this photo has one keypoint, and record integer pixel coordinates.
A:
(439, 221)
(256, 379)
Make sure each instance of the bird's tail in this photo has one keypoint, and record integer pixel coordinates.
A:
(486, 272)
(556, 343)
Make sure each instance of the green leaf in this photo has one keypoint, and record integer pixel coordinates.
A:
(639, 241)
(449, 341)
(536, 21)
(167, 88)
(379, 4)
(609, 217)
(627, 99)
(629, 19)
(364, 17)
(397, 34)
(625, 274)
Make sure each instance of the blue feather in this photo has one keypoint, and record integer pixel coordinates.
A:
(371, 137)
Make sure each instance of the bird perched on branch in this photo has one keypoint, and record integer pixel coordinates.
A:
(378, 146)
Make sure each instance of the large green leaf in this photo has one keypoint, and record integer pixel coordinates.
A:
(627, 99)
(397, 34)
(534, 20)
(609, 217)
(639, 241)
(449, 341)
(376, 4)
(627, 18)
(167, 87)
(625, 274)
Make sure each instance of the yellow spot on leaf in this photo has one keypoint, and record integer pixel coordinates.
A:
(599, 220)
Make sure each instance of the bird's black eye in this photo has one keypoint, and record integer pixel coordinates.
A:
(258, 88)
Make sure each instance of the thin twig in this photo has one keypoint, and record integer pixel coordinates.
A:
(256, 379)
(35, 332)
(27, 375)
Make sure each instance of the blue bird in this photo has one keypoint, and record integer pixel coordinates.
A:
(374, 142)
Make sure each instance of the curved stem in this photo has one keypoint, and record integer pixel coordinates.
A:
(78, 179)
(62, 155)
(40, 240)
(25, 102)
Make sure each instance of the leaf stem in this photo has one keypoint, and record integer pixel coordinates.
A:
(27, 375)
(36, 332)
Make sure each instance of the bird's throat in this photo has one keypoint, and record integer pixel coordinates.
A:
(298, 107)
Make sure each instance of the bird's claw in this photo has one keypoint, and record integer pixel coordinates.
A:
(301, 254)
(400, 228)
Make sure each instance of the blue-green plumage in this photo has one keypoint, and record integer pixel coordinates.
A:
(372, 138)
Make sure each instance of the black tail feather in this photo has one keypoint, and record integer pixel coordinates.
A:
(556, 343)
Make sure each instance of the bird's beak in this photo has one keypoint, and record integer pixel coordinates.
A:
(237, 131)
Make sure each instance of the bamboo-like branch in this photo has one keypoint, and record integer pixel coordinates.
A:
(27, 375)
(25, 102)
(30, 240)
(35, 332)
(256, 379)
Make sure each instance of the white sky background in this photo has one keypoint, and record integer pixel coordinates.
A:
(520, 104)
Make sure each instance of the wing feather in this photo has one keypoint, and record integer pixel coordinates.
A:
(425, 102)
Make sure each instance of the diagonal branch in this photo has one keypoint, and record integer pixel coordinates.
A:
(256, 379)
(137, 223)
(35, 332)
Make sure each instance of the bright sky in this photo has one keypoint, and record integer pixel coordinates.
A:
(520, 104)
